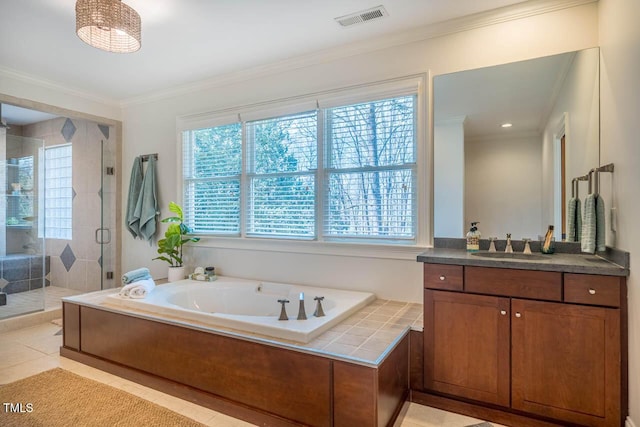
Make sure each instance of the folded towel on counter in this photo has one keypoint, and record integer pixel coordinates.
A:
(132, 222)
(138, 290)
(147, 205)
(136, 275)
(588, 240)
(574, 220)
(600, 224)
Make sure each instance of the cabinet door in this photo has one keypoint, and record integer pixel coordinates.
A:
(466, 345)
(566, 362)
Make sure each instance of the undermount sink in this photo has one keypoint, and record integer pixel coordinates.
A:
(510, 255)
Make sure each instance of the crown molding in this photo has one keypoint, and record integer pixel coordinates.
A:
(465, 23)
(49, 84)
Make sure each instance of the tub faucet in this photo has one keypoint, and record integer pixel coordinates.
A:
(302, 315)
(508, 248)
(283, 311)
(319, 311)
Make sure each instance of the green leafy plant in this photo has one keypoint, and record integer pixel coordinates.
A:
(170, 248)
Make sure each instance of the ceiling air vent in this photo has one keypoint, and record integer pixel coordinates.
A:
(362, 16)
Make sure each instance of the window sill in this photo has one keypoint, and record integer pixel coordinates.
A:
(362, 250)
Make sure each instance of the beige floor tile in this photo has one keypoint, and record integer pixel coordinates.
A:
(13, 353)
(27, 369)
(198, 413)
(46, 344)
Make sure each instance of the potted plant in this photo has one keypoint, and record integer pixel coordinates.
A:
(170, 248)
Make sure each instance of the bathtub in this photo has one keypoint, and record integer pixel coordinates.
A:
(249, 306)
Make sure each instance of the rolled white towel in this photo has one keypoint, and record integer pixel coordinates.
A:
(138, 290)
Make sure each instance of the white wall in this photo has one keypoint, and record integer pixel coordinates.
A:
(150, 127)
(448, 178)
(620, 129)
(579, 97)
(503, 175)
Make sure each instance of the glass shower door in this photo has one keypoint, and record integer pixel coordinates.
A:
(23, 265)
(105, 235)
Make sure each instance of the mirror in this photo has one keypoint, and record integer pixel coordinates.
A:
(514, 179)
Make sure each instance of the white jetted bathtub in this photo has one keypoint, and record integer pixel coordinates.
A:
(249, 305)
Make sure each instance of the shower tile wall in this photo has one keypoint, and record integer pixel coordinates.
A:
(75, 263)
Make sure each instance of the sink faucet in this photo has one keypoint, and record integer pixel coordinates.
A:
(283, 311)
(508, 248)
(319, 311)
(302, 315)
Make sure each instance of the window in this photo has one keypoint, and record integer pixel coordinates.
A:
(372, 170)
(340, 173)
(212, 167)
(57, 195)
(282, 164)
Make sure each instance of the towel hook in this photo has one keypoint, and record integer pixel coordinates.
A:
(596, 181)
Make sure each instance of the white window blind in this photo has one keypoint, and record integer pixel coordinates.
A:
(212, 167)
(344, 173)
(372, 170)
(58, 192)
(282, 162)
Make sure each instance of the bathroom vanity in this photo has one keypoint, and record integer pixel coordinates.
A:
(523, 342)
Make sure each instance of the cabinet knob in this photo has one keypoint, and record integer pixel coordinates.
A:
(503, 312)
(592, 291)
(518, 314)
(442, 278)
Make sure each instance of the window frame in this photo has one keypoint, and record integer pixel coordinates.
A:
(370, 247)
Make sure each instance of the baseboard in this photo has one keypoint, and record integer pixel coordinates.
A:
(629, 422)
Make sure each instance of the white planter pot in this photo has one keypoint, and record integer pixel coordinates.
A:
(175, 274)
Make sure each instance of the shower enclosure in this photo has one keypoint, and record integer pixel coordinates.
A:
(23, 263)
(57, 210)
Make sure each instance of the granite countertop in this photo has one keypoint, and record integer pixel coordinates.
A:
(562, 262)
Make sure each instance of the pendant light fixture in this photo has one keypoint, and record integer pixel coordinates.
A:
(109, 25)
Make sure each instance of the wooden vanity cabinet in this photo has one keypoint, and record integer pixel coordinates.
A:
(544, 344)
(566, 362)
(466, 345)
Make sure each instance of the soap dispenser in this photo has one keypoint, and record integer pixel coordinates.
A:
(473, 238)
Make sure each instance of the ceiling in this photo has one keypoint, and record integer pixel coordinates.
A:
(521, 93)
(185, 41)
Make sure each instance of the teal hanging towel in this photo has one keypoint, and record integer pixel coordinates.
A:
(132, 221)
(147, 206)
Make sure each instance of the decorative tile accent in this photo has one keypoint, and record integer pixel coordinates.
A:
(73, 193)
(68, 130)
(67, 257)
(105, 130)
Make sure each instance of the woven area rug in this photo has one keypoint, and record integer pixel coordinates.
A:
(62, 398)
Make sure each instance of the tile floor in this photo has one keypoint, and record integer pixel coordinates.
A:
(35, 349)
